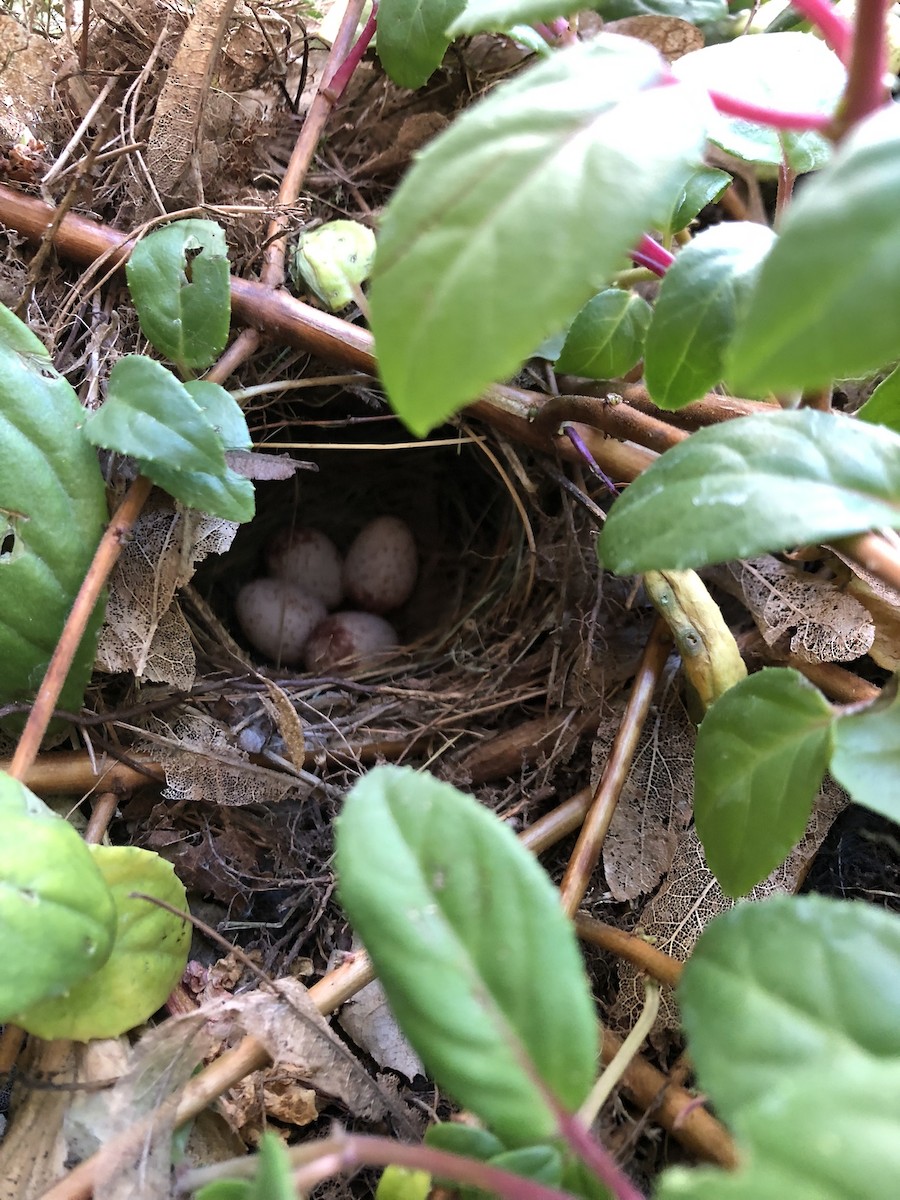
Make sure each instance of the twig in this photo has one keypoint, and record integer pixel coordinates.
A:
(867, 87)
(630, 947)
(590, 841)
(104, 560)
(875, 553)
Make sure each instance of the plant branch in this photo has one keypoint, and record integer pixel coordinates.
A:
(836, 31)
(342, 1152)
(650, 254)
(611, 1077)
(618, 764)
(777, 118)
(876, 553)
(867, 88)
(104, 560)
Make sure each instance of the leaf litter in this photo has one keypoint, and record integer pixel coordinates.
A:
(512, 623)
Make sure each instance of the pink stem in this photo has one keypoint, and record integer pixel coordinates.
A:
(866, 86)
(778, 119)
(838, 32)
(342, 75)
(650, 254)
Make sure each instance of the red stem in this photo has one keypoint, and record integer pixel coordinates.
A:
(341, 77)
(776, 117)
(867, 89)
(837, 32)
(650, 254)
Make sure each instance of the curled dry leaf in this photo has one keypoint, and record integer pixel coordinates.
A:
(369, 1021)
(303, 1046)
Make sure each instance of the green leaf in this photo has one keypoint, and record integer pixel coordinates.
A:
(147, 960)
(150, 415)
(866, 756)
(464, 285)
(698, 12)
(398, 1183)
(465, 930)
(272, 1180)
(487, 16)
(412, 37)
(762, 750)
(606, 339)
(57, 917)
(705, 186)
(52, 515)
(700, 302)
(790, 72)
(178, 279)
(791, 1013)
(883, 406)
(819, 310)
(467, 1140)
(221, 411)
(753, 485)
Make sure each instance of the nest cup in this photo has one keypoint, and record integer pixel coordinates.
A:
(461, 515)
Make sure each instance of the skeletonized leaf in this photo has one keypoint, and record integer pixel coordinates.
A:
(412, 37)
(700, 302)
(464, 287)
(753, 485)
(824, 305)
(780, 1000)
(762, 750)
(790, 72)
(465, 929)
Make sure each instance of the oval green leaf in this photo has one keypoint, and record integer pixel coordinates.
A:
(607, 337)
(788, 72)
(179, 281)
(826, 298)
(488, 16)
(153, 417)
(147, 960)
(700, 302)
(223, 412)
(52, 514)
(866, 756)
(883, 406)
(57, 916)
(793, 1022)
(465, 930)
(704, 186)
(465, 285)
(412, 37)
(755, 485)
(762, 750)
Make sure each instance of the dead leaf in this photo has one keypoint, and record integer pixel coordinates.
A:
(671, 36)
(812, 617)
(655, 804)
(369, 1021)
(251, 465)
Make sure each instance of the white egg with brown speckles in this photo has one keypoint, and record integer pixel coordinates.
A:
(381, 566)
(277, 618)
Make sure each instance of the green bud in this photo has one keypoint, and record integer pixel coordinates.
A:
(333, 260)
